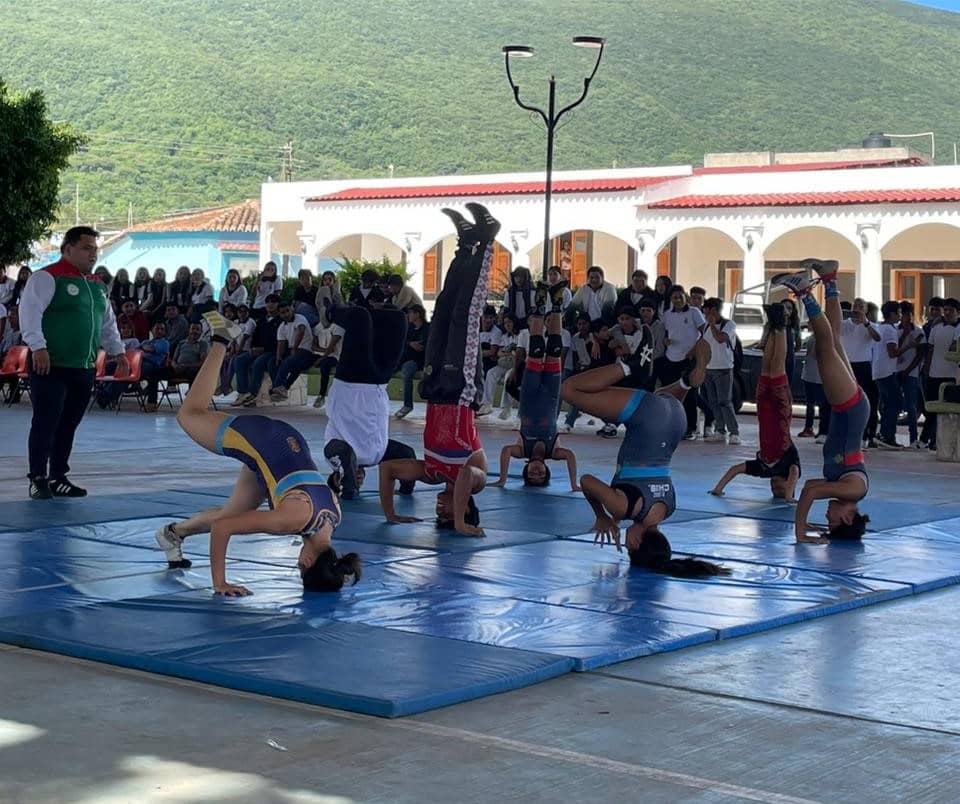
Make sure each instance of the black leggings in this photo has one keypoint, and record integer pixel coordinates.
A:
(453, 345)
(373, 343)
(343, 452)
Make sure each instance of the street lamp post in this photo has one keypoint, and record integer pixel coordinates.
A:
(551, 117)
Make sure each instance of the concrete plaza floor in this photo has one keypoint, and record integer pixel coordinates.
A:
(854, 707)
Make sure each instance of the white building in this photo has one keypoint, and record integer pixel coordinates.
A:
(892, 221)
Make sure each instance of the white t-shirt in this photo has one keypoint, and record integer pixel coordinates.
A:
(264, 289)
(324, 335)
(857, 341)
(288, 332)
(490, 337)
(6, 289)
(883, 364)
(237, 297)
(594, 303)
(683, 330)
(942, 335)
(202, 294)
(917, 338)
(721, 354)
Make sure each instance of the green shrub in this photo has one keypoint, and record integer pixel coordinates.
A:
(350, 271)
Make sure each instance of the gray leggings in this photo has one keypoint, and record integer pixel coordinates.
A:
(719, 392)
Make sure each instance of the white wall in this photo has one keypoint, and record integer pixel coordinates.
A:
(610, 253)
(698, 254)
(814, 242)
(930, 243)
(375, 248)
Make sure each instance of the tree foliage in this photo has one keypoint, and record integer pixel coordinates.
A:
(187, 104)
(33, 153)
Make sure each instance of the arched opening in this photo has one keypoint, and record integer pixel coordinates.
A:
(921, 262)
(705, 257)
(363, 246)
(787, 251)
(575, 251)
(436, 258)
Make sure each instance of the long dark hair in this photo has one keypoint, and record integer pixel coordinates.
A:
(329, 571)
(852, 532)
(472, 517)
(654, 554)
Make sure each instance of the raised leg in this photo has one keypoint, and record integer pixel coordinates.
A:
(593, 392)
(194, 416)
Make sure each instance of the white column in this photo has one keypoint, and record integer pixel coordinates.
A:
(646, 254)
(415, 270)
(754, 272)
(870, 271)
(266, 241)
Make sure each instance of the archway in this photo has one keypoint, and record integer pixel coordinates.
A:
(363, 246)
(705, 257)
(576, 250)
(436, 258)
(920, 262)
(785, 253)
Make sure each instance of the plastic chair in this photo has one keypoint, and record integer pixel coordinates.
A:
(130, 378)
(100, 370)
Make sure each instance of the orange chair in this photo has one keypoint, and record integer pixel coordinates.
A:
(15, 367)
(130, 378)
(100, 371)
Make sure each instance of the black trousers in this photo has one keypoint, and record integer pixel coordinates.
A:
(373, 343)
(59, 401)
(931, 393)
(453, 345)
(670, 372)
(863, 372)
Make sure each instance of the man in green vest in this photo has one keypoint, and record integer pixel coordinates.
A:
(65, 316)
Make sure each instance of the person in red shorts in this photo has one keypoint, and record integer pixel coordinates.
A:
(453, 385)
(777, 458)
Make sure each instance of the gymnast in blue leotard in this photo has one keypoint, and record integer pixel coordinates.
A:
(642, 489)
(277, 469)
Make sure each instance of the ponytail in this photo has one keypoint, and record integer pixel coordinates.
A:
(328, 572)
(654, 554)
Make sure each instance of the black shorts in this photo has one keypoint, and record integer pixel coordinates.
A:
(757, 468)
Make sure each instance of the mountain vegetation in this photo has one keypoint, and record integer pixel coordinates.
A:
(186, 103)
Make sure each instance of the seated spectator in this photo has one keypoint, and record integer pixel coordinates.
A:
(189, 355)
(294, 351)
(626, 336)
(121, 290)
(176, 325)
(490, 335)
(305, 297)
(137, 320)
(229, 312)
(520, 299)
(368, 292)
(22, 276)
(233, 291)
(141, 287)
(328, 296)
(412, 360)
(597, 298)
(201, 295)
(10, 337)
(650, 319)
(635, 292)
(500, 372)
(250, 367)
(156, 304)
(155, 350)
(247, 326)
(109, 393)
(402, 296)
(554, 277)
(327, 345)
(127, 336)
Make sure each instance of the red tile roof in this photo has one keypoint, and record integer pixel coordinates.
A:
(243, 217)
(912, 161)
(492, 188)
(810, 199)
(232, 245)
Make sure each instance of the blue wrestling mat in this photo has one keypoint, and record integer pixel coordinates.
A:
(437, 618)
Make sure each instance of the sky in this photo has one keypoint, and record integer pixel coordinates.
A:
(948, 5)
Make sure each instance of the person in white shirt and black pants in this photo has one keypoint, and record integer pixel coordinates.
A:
(858, 334)
(885, 373)
(721, 336)
(911, 351)
(684, 325)
(938, 369)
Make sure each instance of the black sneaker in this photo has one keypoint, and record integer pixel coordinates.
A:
(466, 231)
(40, 489)
(61, 487)
(556, 295)
(487, 225)
(540, 297)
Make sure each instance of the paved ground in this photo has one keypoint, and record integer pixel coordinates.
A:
(855, 707)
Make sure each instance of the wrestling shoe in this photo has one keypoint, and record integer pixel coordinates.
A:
(825, 269)
(172, 545)
(61, 487)
(466, 231)
(798, 283)
(776, 316)
(734, 440)
(240, 400)
(222, 330)
(487, 225)
(556, 295)
(540, 296)
(319, 402)
(40, 489)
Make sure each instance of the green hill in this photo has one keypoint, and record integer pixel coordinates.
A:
(188, 102)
